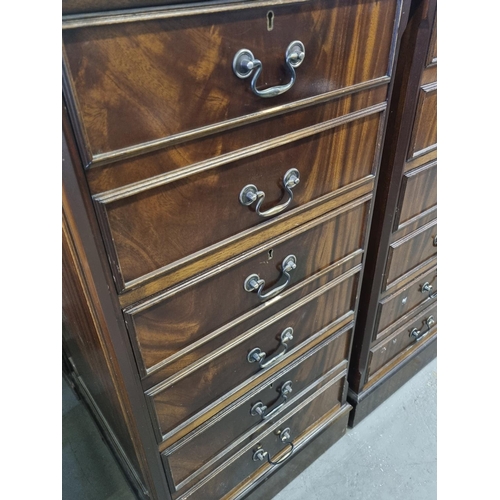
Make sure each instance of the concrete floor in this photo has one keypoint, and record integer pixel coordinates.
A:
(391, 455)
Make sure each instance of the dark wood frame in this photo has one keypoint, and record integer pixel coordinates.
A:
(413, 58)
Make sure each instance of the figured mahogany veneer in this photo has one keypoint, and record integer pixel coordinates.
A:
(185, 394)
(181, 320)
(167, 79)
(307, 418)
(399, 290)
(162, 137)
(199, 452)
(153, 227)
(394, 306)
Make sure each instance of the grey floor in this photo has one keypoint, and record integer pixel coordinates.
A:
(391, 455)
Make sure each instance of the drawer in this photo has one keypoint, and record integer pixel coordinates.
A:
(190, 393)
(418, 195)
(199, 452)
(138, 82)
(214, 150)
(395, 306)
(408, 253)
(154, 229)
(424, 134)
(308, 418)
(181, 320)
(415, 331)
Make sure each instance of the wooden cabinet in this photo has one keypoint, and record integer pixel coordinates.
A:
(396, 325)
(220, 161)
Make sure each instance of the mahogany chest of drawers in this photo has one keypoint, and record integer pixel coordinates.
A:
(396, 327)
(220, 160)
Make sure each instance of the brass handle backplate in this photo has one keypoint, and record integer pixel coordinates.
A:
(419, 334)
(260, 454)
(250, 194)
(257, 355)
(254, 283)
(260, 408)
(244, 63)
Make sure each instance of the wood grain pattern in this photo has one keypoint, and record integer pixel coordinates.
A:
(403, 301)
(108, 177)
(104, 351)
(158, 227)
(186, 316)
(326, 402)
(432, 54)
(141, 82)
(418, 194)
(407, 253)
(365, 402)
(394, 259)
(424, 136)
(395, 344)
(188, 392)
(398, 341)
(200, 452)
(81, 334)
(301, 293)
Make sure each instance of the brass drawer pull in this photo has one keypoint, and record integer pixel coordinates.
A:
(419, 334)
(259, 408)
(244, 63)
(261, 454)
(254, 283)
(249, 194)
(256, 355)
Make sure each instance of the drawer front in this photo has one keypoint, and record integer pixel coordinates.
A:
(196, 454)
(187, 394)
(181, 320)
(424, 135)
(304, 420)
(170, 76)
(157, 228)
(395, 306)
(412, 333)
(408, 253)
(418, 194)
(214, 150)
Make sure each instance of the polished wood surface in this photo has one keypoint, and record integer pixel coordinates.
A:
(424, 135)
(411, 251)
(155, 228)
(101, 359)
(199, 452)
(402, 247)
(326, 402)
(139, 82)
(205, 153)
(162, 327)
(418, 194)
(394, 306)
(81, 335)
(165, 136)
(400, 340)
(186, 393)
(394, 379)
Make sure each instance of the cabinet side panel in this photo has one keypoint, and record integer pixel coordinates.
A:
(104, 369)
(91, 371)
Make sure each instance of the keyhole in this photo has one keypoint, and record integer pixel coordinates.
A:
(270, 253)
(270, 20)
